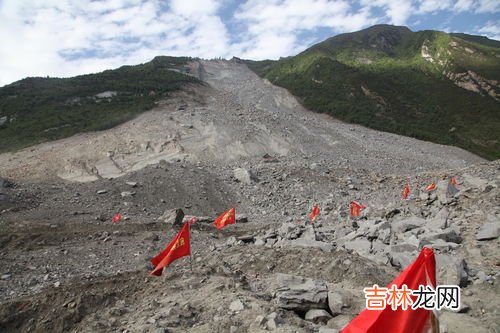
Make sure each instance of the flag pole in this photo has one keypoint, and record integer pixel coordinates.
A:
(190, 254)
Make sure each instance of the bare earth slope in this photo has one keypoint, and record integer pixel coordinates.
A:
(237, 142)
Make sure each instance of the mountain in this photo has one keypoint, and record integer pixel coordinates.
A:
(429, 85)
(37, 109)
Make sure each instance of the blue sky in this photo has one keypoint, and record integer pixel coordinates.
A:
(70, 37)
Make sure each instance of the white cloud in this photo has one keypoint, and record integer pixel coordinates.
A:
(65, 38)
(398, 12)
(272, 27)
(491, 30)
(488, 6)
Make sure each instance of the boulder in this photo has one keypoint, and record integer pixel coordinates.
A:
(489, 230)
(359, 245)
(339, 322)
(318, 316)
(451, 270)
(299, 293)
(447, 235)
(338, 299)
(244, 176)
(401, 260)
(407, 224)
(172, 216)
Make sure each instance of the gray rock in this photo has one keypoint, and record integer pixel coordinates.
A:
(339, 322)
(300, 293)
(272, 321)
(408, 224)
(236, 305)
(308, 234)
(359, 245)
(172, 216)
(102, 191)
(127, 194)
(402, 259)
(318, 316)
(244, 176)
(3, 120)
(447, 235)
(241, 218)
(451, 270)
(338, 299)
(489, 230)
(133, 184)
(403, 247)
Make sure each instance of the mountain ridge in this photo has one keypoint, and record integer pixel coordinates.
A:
(428, 84)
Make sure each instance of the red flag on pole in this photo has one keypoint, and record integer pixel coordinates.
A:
(406, 192)
(421, 272)
(453, 181)
(228, 217)
(431, 187)
(314, 213)
(355, 208)
(178, 248)
(116, 218)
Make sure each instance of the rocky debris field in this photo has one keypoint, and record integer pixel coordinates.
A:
(65, 267)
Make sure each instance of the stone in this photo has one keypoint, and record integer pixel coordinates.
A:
(308, 233)
(3, 120)
(299, 293)
(132, 184)
(337, 300)
(339, 322)
(272, 321)
(489, 230)
(127, 194)
(172, 216)
(411, 223)
(447, 235)
(244, 176)
(451, 270)
(241, 218)
(102, 191)
(359, 245)
(236, 305)
(318, 316)
(401, 260)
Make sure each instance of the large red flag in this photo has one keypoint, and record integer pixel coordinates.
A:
(406, 192)
(421, 272)
(228, 217)
(178, 248)
(355, 208)
(314, 213)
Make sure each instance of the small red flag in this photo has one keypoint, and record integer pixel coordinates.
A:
(421, 272)
(355, 208)
(431, 187)
(177, 248)
(314, 213)
(228, 217)
(406, 192)
(116, 218)
(453, 181)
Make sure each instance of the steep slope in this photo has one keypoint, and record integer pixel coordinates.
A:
(429, 85)
(35, 110)
(238, 116)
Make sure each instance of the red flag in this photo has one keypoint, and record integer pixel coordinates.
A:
(421, 272)
(314, 213)
(453, 181)
(406, 192)
(228, 217)
(431, 187)
(178, 248)
(116, 218)
(355, 208)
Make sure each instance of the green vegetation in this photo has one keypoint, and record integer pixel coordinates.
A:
(44, 109)
(378, 78)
